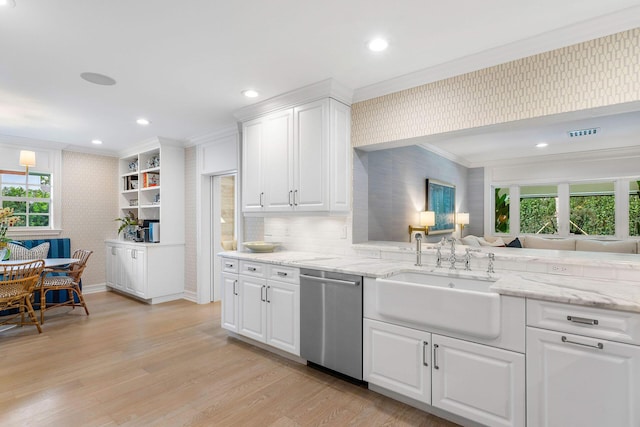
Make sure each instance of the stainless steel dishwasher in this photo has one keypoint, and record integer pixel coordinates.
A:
(331, 321)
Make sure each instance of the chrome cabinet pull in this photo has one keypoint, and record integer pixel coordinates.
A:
(599, 346)
(435, 356)
(261, 204)
(113, 250)
(295, 194)
(267, 294)
(582, 320)
(251, 268)
(235, 291)
(334, 281)
(133, 254)
(425, 346)
(228, 265)
(290, 194)
(263, 288)
(282, 274)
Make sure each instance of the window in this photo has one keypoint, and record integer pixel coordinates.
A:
(501, 223)
(592, 209)
(29, 198)
(539, 209)
(634, 208)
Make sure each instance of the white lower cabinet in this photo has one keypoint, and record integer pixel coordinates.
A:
(152, 272)
(578, 381)
(267, 310)
(398, 359)
(230, 301)
(478, 382)
(481, 383)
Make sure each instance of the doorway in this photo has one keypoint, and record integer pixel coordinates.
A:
(223, 224)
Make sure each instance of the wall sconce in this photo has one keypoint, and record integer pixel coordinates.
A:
(427, 219)
(27, 158)
(462, 219)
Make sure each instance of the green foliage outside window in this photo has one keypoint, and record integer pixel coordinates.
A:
(501, 210)
(593, 215)
(538, 215)
(37, 198)
(634, 210)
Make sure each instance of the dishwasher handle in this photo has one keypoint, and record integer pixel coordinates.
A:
(334, 281)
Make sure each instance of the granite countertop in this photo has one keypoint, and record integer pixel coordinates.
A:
(602, 293)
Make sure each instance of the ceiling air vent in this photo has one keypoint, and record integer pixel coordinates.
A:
(583, 132)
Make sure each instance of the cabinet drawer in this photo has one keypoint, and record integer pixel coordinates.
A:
(254, 269)
(229, 265)
(621, 326)
(284, 274)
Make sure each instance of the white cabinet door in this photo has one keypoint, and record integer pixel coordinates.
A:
(482, 383)
(253, 311)
(576, 381)
(230, 302)
(123, 258)
(398, 359)
(311, 156)
(277, 159)
(283, 316)
(252, 179)
(112, 266)
(135, 271)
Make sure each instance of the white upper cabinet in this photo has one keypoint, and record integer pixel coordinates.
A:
(298, 159)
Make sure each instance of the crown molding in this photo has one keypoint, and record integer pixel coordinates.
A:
(602, 26)
(328, 88)
(208, 137)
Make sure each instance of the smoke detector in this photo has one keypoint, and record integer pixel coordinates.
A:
(583, 132)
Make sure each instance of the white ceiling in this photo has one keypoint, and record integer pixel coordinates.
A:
(183, 64)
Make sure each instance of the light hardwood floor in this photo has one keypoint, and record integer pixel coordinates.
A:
(170, 364)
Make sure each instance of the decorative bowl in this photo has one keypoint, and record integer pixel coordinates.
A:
(261, 246)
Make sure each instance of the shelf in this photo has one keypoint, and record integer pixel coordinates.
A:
(135, 190)
(155, 187)
(151, 170)
(150, 206)
(129, 207)
(129, 174)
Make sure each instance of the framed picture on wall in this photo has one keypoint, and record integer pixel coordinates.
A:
(441, 198)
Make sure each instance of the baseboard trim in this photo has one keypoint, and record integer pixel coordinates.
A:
(94, 289)
(190, 296)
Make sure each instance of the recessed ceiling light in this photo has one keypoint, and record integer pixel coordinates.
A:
(542, 145)
(9, 3)
(96, 141)
(250, 93)
(143, 122)
(99, 79)
(378, 45)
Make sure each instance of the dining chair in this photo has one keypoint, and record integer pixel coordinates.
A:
(65, 279)
(17, 283)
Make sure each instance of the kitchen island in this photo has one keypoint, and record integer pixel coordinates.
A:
(515, 351)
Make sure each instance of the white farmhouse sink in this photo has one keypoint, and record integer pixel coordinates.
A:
(456, 304)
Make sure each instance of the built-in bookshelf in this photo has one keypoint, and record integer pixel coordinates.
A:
(152, 187)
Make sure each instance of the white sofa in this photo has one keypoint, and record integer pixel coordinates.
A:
(555, 243)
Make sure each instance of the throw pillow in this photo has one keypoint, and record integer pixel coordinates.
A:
(19, 252)
(470, 241)
(515, 243)
(496, 243)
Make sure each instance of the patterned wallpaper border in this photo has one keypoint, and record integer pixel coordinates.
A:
(597, 73)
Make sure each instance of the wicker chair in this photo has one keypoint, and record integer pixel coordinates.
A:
(17, 283)
(69, 281)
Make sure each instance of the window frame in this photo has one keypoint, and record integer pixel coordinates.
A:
(48, 161)
(621, 193)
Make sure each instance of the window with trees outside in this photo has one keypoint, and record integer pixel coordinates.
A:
(30, 198)
(585, 208)
(539, 209)
(634, 208)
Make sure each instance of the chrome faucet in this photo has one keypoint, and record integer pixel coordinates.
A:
(418, 250)
(492, 258)
(467, 258)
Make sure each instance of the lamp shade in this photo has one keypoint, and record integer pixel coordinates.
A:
(27, 158)
(463, 218)
(428, 218)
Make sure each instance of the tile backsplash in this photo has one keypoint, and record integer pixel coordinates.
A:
(310, 233)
